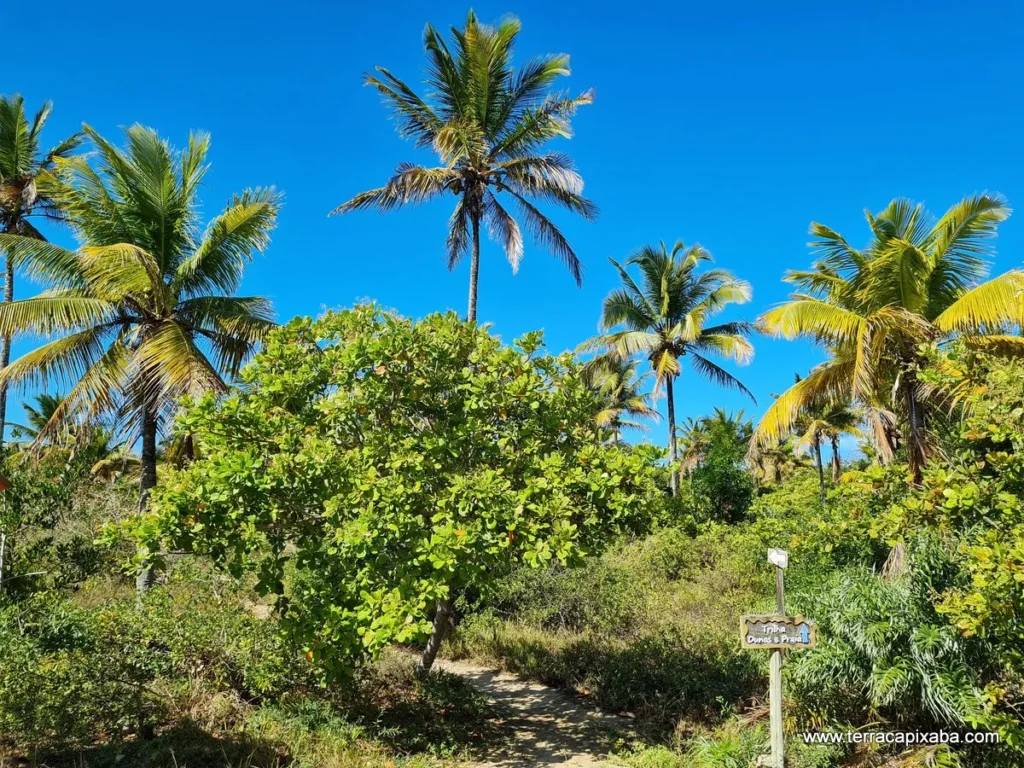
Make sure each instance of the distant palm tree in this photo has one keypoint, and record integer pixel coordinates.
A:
(693, 443)
(143, 310)
(37, 416)
(829, 422)
(487, 123)
(22, 166)
(778, 462)
(619, 386)
(665, 321)
(916, 283)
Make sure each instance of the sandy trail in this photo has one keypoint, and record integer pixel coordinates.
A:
(547, 727)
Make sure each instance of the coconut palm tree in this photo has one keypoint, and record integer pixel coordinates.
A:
(619, 386)
(777, 462)
(22, 165)
(665, 321)
(37, 416)
(487, 122)
(821, 424)
(916, 283)
(693, 442)
(143, 312)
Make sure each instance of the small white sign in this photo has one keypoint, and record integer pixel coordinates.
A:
(779, 558)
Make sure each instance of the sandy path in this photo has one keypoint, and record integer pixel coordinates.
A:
(547, 727)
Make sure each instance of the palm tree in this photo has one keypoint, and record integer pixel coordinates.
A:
(840, 419)
(618, 384)
(143, 311)
(665, 321)
(22, 165)
(693, 443)
(37, 416)
(777, 462)
(916, 283)
(487, 123)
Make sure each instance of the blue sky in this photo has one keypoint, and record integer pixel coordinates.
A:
(733, 125)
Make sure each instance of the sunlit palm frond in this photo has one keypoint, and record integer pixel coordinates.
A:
(990, 307)
(171, 365)
(813, 318)
(48, 315)
(229, 243)
(828, 383)
(504, 229)
(546, 234)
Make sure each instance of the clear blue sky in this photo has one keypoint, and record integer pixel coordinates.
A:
(734, 125)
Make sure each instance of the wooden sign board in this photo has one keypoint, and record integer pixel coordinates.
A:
(769, 632)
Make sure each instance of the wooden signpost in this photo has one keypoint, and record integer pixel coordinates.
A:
(777, 632)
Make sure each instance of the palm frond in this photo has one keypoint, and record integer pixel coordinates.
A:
(47, 315)
(990, 307)
(229, 243)
(717, 375)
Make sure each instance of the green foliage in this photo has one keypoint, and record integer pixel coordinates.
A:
(50, 516)
(71, 674)
(386, 464)
(720, 485)
(648, 627)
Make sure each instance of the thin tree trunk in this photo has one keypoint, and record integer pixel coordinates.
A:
(3, 551)
(438, 632)
(821, 469)
(474, 270)
(837, 465)
(5, 345)
(915, 429)
(672, 455)
(146, 576)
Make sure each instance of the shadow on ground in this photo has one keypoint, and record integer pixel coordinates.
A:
(186, 745)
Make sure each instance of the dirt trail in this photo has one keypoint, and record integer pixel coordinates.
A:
(547, 727)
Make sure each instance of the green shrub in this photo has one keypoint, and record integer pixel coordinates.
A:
(69, 675)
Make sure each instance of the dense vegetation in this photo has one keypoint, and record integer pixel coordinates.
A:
(228, 542)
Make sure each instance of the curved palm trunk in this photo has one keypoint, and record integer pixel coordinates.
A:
(836, 463)
(146, 576)
(474, 270)
(438, 632)
(821, 468)
(672, 453)
(5, 344)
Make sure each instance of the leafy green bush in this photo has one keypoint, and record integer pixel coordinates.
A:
(69, 675)
(391, 465)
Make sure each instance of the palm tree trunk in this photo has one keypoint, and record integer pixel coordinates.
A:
(5, 344)
(146, 576)
(821, 468)
(672, 454)
(836, 463)
(474, 269)
(438, 631)
(915, 430)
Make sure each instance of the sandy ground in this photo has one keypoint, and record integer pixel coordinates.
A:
(547, 727)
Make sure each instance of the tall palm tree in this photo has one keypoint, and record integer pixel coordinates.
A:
(619, 385)
(917, 282)
(22, 164)
(487, 122)
(665, 321)
(143, 311)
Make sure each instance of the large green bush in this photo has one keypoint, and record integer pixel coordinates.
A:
(390, 465)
